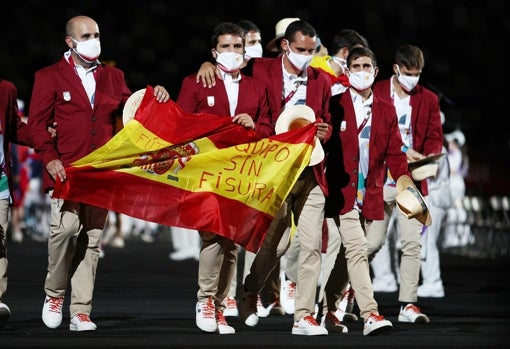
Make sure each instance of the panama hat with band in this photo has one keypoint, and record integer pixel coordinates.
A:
(280, 29)
(297, 116)
(410, 201)
(426, 167)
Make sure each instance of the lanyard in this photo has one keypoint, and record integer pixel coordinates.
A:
(365, 120)
(293, 92)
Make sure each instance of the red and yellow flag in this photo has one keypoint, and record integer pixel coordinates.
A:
(197, 171)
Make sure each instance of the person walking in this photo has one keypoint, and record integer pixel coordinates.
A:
(12, 130)
(419, 123)
(82, 96)
(243, 99)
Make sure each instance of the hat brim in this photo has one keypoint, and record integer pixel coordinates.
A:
(272, 46)
(427, 160)
(292, 113)
(131, 106)
(426, 171)
(410, 201)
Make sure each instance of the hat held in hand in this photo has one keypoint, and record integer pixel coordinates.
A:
(410, 201)
(297, 116)
(131, 106)
(425, 168)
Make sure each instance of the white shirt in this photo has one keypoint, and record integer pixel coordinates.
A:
(232, 89)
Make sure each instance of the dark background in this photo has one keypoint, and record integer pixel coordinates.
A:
(159, 42)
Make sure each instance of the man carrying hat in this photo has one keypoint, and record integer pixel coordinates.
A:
(291, 81)
(364, 142)
(419, 122)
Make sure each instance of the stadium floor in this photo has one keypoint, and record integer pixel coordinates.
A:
(144, 299)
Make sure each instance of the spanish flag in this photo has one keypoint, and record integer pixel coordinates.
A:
(197, 171)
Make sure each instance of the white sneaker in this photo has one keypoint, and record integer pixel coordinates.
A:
(17, 236)
(181, 255)
(205, 316)
(82, 322)
(376, 324)
(247, 307)
(307, 326)
(287, 296)
(52, 311)
(432, 290)
(117, 242)
(230, 307)
(223, 326)
(411, 313)
(5, 314)
(345, 317)
(275, 308)
(262, 311)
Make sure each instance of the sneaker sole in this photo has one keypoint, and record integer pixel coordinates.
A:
(252, 320)
(418, 320)
(52, 325)
(226, 329)
(378, 331)
(76, 328)
(301, 332)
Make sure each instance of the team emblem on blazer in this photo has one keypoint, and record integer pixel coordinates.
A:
(343, 126)
(67, 96)
(210, 101)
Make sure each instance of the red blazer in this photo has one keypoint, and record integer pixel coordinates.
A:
(58, 95)
(343, 156)
(318, 92)
(425, 120)
(252, 100)
(11, 126)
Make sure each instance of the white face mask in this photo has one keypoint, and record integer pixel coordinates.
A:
(88, 50)
(299, 61)
(361, 80)
(229, 62)
(407, 82)
(340, 61)
(253, 51)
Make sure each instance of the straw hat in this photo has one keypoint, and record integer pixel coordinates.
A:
(410, 202)
(280, 29)
(297, 116)
(426, 167)
(132, 105)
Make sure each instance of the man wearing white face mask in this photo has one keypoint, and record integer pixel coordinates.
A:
(83, 97)
(243, 99)
(252, 39)
(365, 141)
(419, 122)
(290, 80)
(269, 303)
